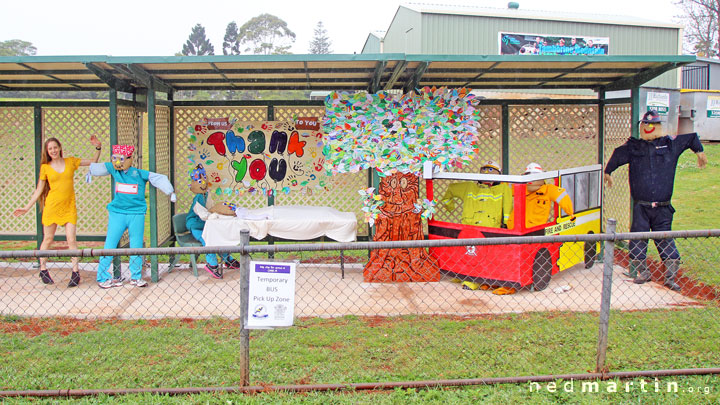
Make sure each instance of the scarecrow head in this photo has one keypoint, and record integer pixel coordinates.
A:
(199, 183)
(651, 127)
(122, 156)
(535, 185)
(490, 167)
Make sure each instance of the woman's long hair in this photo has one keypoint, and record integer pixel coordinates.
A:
(45, 159)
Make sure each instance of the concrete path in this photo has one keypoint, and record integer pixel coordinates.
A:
(320, 291)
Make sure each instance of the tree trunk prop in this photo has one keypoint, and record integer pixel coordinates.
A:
(398, 221)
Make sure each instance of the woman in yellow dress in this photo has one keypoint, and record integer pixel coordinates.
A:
(55, 192)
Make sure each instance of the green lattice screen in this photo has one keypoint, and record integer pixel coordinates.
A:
(187, 116)
(73, 126)
(490, 142)
(162, 166)
(555, 136)
(128, 134)
(616, 200)
(17, 181)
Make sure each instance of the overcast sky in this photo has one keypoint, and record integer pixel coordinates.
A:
(160, 27)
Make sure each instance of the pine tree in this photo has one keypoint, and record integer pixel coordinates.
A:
(197, 43)
(320, 43)
(231, 44)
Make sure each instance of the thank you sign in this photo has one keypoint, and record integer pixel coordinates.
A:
(271, 300)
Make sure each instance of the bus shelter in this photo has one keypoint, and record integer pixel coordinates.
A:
(555, 132)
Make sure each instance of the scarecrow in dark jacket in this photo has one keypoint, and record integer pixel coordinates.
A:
(652, 162)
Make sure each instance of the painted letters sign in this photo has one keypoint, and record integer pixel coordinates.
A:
(258, 157)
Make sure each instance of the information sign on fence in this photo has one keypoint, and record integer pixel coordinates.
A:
(271, 300)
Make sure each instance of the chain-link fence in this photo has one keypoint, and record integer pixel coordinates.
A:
(498, 302)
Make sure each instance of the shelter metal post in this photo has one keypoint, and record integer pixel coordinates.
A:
(505, 139)
(112, 104)
(37, 116)
(152, 166)
(634, 111)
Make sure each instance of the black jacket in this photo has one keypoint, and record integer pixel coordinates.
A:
(652, 164)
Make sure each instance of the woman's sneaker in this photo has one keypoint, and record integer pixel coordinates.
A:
(114, 282)
(74, 279)
(139, 283)
(45, 277)
(232, 263)
(214, 271)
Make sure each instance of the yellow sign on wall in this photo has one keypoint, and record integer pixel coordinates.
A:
(260, 156)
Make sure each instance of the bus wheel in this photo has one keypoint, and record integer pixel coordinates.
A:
(542, 269)
(590, 252)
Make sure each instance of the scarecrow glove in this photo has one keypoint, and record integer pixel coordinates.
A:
(173, 198)
(88, 178)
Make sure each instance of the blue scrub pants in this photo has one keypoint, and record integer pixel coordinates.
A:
(117, 224)
(211, 258)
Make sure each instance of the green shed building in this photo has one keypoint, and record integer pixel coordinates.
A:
(466, 30)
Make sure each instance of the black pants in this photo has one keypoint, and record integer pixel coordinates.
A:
(646, 218)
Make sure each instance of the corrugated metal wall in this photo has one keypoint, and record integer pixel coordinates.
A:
(404, 33)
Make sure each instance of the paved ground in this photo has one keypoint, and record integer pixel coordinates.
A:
(320, 291)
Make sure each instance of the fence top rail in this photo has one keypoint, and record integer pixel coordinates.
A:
(300, 247)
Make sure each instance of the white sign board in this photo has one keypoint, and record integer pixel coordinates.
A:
(713, 107)
(271, 300)
(659, 102)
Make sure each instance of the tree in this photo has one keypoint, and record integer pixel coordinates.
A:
(395, 135)
(320, 43)
(702, 28)
(266, 34)
(231, 44)
(197, 43)
(17, 47)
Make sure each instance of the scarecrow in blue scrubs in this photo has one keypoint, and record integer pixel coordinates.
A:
(199, 185)
(126, 210)
(652, 161)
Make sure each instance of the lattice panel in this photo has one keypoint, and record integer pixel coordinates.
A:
(128, 134)
(128, 131)
(187, 116)
(490, 146)
(292, 112)
(17, 181)
(616, 200)
(555, 136)
(162, 166)
(73, 126)
(340, 192)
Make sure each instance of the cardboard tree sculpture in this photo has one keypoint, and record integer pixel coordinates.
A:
(395, 134)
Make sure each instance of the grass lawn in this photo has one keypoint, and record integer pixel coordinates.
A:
(58, 354)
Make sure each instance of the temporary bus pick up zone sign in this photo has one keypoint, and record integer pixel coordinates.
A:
(265, 157)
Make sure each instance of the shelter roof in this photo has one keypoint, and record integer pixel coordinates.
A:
(371, 72)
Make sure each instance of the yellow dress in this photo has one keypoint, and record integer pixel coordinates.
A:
(60, 201)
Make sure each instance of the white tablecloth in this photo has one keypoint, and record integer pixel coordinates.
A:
(296, 222)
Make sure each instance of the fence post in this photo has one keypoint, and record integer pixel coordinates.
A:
(244, 291)
(605, 300)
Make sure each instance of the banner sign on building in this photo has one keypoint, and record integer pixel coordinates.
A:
(658, 102)
(271, 301)
(541, 44)
(265, 157)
